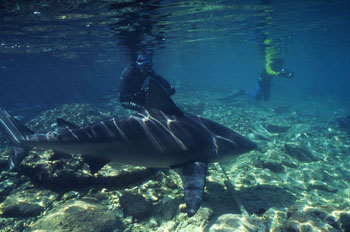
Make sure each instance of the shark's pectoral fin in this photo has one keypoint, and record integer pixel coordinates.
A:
(94, 164)
(193, 179)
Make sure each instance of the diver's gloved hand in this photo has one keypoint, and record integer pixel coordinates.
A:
(143, 93)
(132, 106)
(172, 91)
(286, 74)
(291, 75)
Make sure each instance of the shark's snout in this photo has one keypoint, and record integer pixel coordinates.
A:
(249, 145)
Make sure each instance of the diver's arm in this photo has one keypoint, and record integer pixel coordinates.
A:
(281, 73)
(125, 77)
(128, 98)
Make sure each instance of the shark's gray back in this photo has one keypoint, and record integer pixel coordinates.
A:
(149, 138)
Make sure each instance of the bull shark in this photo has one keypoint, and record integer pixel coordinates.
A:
(159, 136)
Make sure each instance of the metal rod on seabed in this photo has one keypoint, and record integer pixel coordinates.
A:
(231, 190)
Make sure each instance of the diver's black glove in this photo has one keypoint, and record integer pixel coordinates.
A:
(132, 106)
(172, 91)
(286, 74)
(291, 75)
(134, 101)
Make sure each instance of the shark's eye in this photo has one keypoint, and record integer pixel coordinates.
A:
(54, 134)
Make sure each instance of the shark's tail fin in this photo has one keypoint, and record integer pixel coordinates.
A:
(17, 134)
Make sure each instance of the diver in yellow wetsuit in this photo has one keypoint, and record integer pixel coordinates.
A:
(273, 67)
(271, 53)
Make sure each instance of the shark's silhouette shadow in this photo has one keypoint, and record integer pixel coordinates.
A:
(256, 199)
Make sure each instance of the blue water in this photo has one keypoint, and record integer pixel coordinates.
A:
(52, 54)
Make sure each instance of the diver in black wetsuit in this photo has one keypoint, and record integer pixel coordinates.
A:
(134, 83)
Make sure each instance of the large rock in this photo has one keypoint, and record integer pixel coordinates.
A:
(317, 184)
(259, 199)
(300, 218)
(344, 221)
(300, 153)
(28, 203)
(273, 166)
(237, 222)
(115, 174)
(195, 223)
(273, 128)
(9, 182)
(135, 205)
(77, 216)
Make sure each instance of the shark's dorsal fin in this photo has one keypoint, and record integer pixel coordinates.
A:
(157, 98)
(61, 123)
